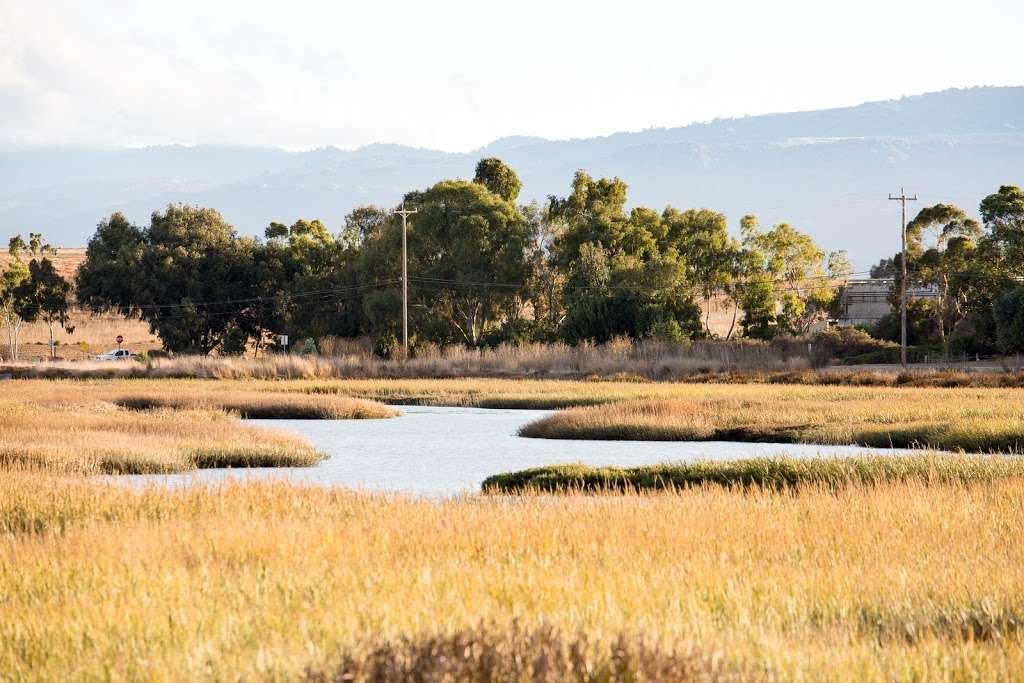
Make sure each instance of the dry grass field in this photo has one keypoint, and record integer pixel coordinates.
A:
(93, 333)
(66, 261)
(122, 427)
(274, 581)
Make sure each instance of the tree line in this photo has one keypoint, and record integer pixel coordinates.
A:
(485, 269)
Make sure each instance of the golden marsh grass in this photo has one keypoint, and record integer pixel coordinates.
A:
(772, 473)
(101, 439)
(969, 419)
(277, 581)
(97, 426)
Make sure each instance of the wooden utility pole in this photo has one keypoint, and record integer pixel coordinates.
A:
(405, 213)
(903, 199)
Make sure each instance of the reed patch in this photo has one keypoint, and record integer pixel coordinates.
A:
(974, 420)
(277, 581)
(145, 427)
(768, 473)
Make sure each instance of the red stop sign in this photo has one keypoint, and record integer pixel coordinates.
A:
(120, 339)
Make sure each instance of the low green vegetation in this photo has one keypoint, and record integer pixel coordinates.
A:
(770, 473)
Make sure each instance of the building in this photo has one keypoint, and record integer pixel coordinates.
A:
(865, 302)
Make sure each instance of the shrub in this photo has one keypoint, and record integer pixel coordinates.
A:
(386, 346)
(839, 343)
(234, 342)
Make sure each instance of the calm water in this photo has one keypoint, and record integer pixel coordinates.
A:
(451, 450)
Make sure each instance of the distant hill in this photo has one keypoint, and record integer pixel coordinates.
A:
(827, 172)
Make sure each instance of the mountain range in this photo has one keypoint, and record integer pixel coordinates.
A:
(827, 172)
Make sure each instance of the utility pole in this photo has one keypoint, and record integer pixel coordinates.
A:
(903, 199)
(405, 213)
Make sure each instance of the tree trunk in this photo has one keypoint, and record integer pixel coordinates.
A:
(53, 355)
(16, 327)
(732, 325)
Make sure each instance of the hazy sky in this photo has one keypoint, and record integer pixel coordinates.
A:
(456, 75)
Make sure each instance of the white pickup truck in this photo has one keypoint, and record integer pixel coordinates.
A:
(116, 354)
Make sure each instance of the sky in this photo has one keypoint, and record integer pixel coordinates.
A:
(457, 75)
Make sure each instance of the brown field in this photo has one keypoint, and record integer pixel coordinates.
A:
(93, 333)
(67, 260)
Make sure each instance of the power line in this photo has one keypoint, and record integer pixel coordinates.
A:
(262, 300)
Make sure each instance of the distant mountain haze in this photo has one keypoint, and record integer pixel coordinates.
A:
(827, 172)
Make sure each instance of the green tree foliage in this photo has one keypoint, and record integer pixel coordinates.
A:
(498, 178)
(969, 265)
(32, 291)
(702, 238)
(44, 295)
(188, 275)
(310, 272)
(1003, 214)
(946, 261)
(486, 271)
(785, 288)
(11, 302)
(626, 274)
(594, 212)
(1009, 319)
(468, 248)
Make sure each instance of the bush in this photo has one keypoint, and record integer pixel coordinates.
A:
(840, 343)
(599, 318)
(519, 332)
(234, 342)
(386, 346)
(666, 330)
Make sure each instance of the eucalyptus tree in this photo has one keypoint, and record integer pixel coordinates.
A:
(701, 237)
(188, 274)
(942, 242)
(469, 251)
(44, 295)
(786, 288)
(497, 177)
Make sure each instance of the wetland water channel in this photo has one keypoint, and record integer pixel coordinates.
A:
(443, 451)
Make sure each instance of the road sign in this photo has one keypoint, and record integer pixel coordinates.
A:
(120, 340)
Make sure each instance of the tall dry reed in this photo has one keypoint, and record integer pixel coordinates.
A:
(140, 426)
(276, 581)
